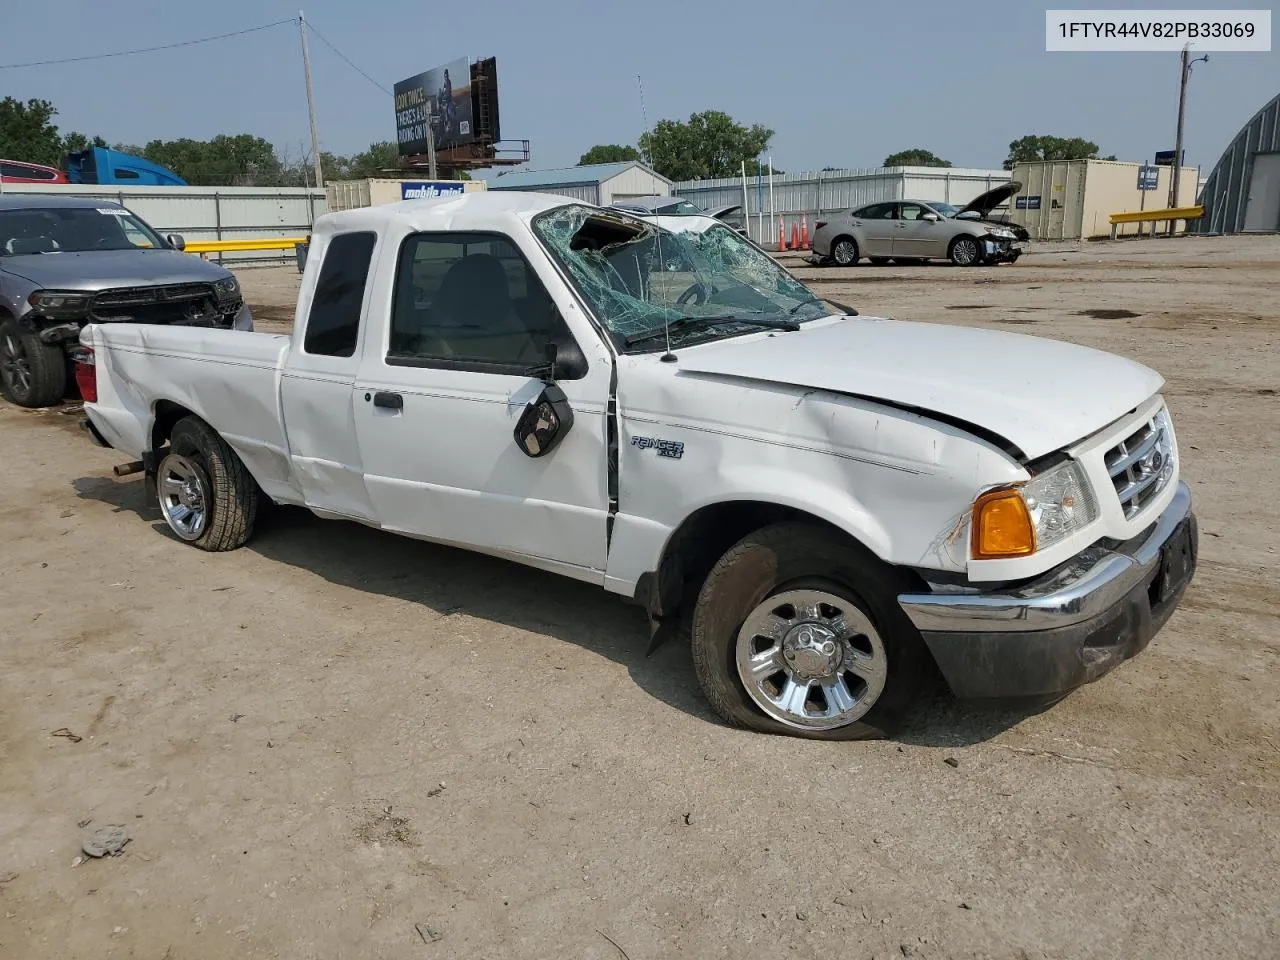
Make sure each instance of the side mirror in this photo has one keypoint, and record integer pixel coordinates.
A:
(544, 423)
(175, 240)
(931, 217)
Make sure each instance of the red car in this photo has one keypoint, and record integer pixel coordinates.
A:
(15, 171)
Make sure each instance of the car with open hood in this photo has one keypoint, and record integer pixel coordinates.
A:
(831, 505)
(916, 231)
(69, 261)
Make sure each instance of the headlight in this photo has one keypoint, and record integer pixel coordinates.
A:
(59, 302)
(228, 287)
(1060, 502)
(1044, 511)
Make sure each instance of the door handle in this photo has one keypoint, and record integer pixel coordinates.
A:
(388, 401)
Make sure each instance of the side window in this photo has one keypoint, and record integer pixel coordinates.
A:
(334, 321)
(469, 298)
(910, 211)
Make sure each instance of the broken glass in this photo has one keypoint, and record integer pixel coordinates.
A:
(641, 276)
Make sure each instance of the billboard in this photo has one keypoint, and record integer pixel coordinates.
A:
(425, 189)
(444, 94)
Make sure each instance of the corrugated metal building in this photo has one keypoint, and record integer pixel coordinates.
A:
(601, 183)
(1242, 194)
(812, 194)
(1074, 199)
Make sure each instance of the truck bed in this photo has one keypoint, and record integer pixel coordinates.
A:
(230, 376)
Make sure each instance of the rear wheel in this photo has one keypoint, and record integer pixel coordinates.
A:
(796, 631)
(32, 373)
(207, 496)
(845, 252)
(965, 252)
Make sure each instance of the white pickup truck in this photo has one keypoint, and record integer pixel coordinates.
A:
(842, 505)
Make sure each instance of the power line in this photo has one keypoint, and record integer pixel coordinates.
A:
(320, 36)
(165, 46)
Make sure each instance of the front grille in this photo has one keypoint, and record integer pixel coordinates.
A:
(124, 297)
(167, 303)
(1141, 465)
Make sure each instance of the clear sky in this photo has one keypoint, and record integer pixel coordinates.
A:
(842, 82)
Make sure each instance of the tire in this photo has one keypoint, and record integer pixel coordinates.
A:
(965, 251)
(844, 252)
(207, 497)
(794, 562)
(32, 373)
(880, 261)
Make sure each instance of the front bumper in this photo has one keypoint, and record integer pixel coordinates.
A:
(1067, 627)
(1000, 250)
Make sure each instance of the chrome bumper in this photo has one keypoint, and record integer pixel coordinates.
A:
(1069, 626)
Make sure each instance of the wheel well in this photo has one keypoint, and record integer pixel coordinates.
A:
(168, 414)
(702, 539)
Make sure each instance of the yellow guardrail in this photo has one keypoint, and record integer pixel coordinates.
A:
(235, 246)
(1154, 216)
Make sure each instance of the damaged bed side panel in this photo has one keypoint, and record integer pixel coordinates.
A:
(230, 379)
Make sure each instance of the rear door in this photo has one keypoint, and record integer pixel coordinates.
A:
(318, 379)
(876, 225)
(439, 395)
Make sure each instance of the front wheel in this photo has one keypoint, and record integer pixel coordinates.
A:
(797, 631)
(965, 252)
(207, 496)
(32, 373)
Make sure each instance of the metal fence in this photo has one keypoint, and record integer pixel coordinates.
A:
(209, 213)
(813, 194)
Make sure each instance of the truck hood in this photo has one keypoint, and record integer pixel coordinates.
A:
(1040, 395)
(105, 269)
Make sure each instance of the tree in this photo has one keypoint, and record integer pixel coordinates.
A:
(1035, 147)
(608, 153)
(27, 132)
(75, 142)
(710, 144)
(241, 160)
(915, 157)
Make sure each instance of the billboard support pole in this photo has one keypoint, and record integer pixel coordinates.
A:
(431, 147)
(311, 100)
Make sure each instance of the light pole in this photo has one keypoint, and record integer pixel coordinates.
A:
(1184, 75)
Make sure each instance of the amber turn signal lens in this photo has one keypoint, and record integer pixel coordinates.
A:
(1002, 526)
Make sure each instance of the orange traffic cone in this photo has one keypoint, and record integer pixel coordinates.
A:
(795, 237)
(804, 231)
(782, 235)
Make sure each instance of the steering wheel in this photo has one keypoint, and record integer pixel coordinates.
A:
(697, 292)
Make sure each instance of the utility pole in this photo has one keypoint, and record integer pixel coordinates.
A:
(1184, 75)
(311, 100)
(432, 172)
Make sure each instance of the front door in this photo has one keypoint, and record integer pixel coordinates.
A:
(916, 237)
(439, 394)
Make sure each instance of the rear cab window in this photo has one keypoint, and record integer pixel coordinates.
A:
(333, 325)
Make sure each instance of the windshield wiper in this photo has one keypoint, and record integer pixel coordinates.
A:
(685, 324)
(848, 311)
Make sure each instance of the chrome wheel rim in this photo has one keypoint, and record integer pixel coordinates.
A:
(14, 366)
(844, 253)
(811, 659)
(966, 251)
(184, 496)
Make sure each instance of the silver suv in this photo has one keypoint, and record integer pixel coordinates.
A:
(69, 261)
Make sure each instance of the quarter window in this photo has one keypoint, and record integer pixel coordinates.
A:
(333, 325)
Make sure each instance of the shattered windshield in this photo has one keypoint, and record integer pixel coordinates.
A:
(638, 277)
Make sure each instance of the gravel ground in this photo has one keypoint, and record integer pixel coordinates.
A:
(340, 743)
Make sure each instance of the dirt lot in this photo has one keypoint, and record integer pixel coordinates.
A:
(339, 743)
